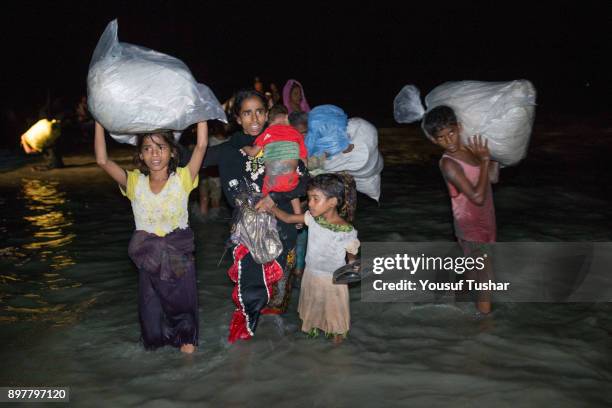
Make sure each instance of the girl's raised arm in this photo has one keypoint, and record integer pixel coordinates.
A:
(197, 156)
(112, 168)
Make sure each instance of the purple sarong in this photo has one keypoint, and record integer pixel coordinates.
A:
(167, 292)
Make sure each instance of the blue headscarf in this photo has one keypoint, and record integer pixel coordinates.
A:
(327, 131)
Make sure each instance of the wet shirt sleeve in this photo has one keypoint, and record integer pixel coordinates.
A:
(352, 244)
(132, 179)
(308, 218)
(186, 181)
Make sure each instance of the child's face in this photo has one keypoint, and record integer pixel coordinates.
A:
(155, 152)
(253, 116)
(319, 203)
(449, 138)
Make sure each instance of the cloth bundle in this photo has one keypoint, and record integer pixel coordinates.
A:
(364, 162)
(326, 131)
(503, 112)
(330, 133)
(168, 257)
(133, 90)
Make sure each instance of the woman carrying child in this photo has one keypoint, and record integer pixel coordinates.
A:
(162, 245)
(258, 289)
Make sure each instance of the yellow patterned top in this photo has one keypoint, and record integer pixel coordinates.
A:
(165, 211)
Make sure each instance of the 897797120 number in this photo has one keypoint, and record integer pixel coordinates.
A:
(55, 394)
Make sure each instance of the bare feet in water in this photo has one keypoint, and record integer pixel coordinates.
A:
(187, 348)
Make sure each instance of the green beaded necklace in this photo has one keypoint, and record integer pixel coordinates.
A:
(333, 227)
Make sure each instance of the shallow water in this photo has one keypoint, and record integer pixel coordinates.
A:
(68, 312)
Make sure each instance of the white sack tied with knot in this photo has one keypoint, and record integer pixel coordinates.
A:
(133, 90)
(502, 112)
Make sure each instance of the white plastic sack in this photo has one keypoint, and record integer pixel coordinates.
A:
(364, 162)
(133, 89)
(503, 112)
(407, 106)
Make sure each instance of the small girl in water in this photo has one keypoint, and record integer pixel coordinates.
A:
(332, 239)
(469, 172)
(162, 245)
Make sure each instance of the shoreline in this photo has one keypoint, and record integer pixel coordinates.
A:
(402, 145)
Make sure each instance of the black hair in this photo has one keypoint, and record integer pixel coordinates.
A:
(437, 119)
(244, 94)
(340, 186)
(298, 118)
(275, 111)
(168, 137)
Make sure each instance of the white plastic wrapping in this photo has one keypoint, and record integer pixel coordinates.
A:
(364, 162)
(503, 112)
(407, 106)
(255, 230)
(133, 89)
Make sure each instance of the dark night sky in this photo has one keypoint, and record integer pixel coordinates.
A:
(357, 57)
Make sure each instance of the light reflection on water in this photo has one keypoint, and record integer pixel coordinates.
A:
(39, 262)
(48, 217)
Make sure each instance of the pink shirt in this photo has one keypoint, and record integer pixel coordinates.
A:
(473, 223)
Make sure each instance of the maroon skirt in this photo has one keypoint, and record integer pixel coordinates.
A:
(167, 291)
